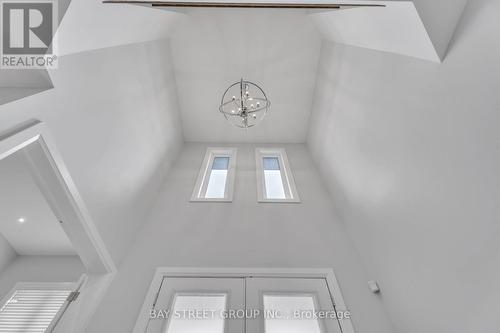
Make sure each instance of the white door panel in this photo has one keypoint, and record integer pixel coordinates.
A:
(198, 305)
(290, 305)
(284, 305)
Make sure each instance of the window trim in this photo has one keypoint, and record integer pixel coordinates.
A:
(292, 196)
(201, 184)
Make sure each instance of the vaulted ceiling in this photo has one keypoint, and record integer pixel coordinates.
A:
(395, 119)
(278, 49)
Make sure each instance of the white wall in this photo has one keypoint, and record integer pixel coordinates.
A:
(411, 153)
(40, 269)
(7, 253)
(113, 114)
(239, 234)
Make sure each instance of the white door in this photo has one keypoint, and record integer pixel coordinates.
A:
(290, 305)
(198, 305)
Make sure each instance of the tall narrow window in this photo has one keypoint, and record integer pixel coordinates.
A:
(216, 187)
(216, 178)
(272, 178)
(275, 181)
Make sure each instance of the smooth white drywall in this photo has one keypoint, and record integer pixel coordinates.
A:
(113, 115)
(396, 28)
(411, 152)
(440, 19)
(91, 24)
(7, 253)
(418, 28)
(243, 233)
(40, 269)
(278, 50)
(17, 84)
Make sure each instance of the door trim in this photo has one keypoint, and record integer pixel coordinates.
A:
(35, 142)
(33, 138)
(320, 273)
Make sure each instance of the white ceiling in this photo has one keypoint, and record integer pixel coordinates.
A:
(420, 28)
(41, 233)
(90, 25)
(396, 28)
(277, 49)
(440, 19)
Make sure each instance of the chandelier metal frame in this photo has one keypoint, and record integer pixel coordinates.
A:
(243, 106)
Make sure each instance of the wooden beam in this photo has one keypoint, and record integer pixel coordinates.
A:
(208, 4)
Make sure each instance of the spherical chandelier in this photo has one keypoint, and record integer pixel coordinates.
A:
(244, 104)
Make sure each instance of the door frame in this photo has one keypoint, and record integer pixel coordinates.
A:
(45, 163)
(52, 177)
(205, 272)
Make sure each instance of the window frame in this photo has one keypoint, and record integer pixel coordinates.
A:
(291, 194)
(203, 178)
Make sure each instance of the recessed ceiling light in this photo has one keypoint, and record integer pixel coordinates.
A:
(21, 220)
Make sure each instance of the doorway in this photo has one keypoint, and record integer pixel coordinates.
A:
(57, 264)
(244, 301)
